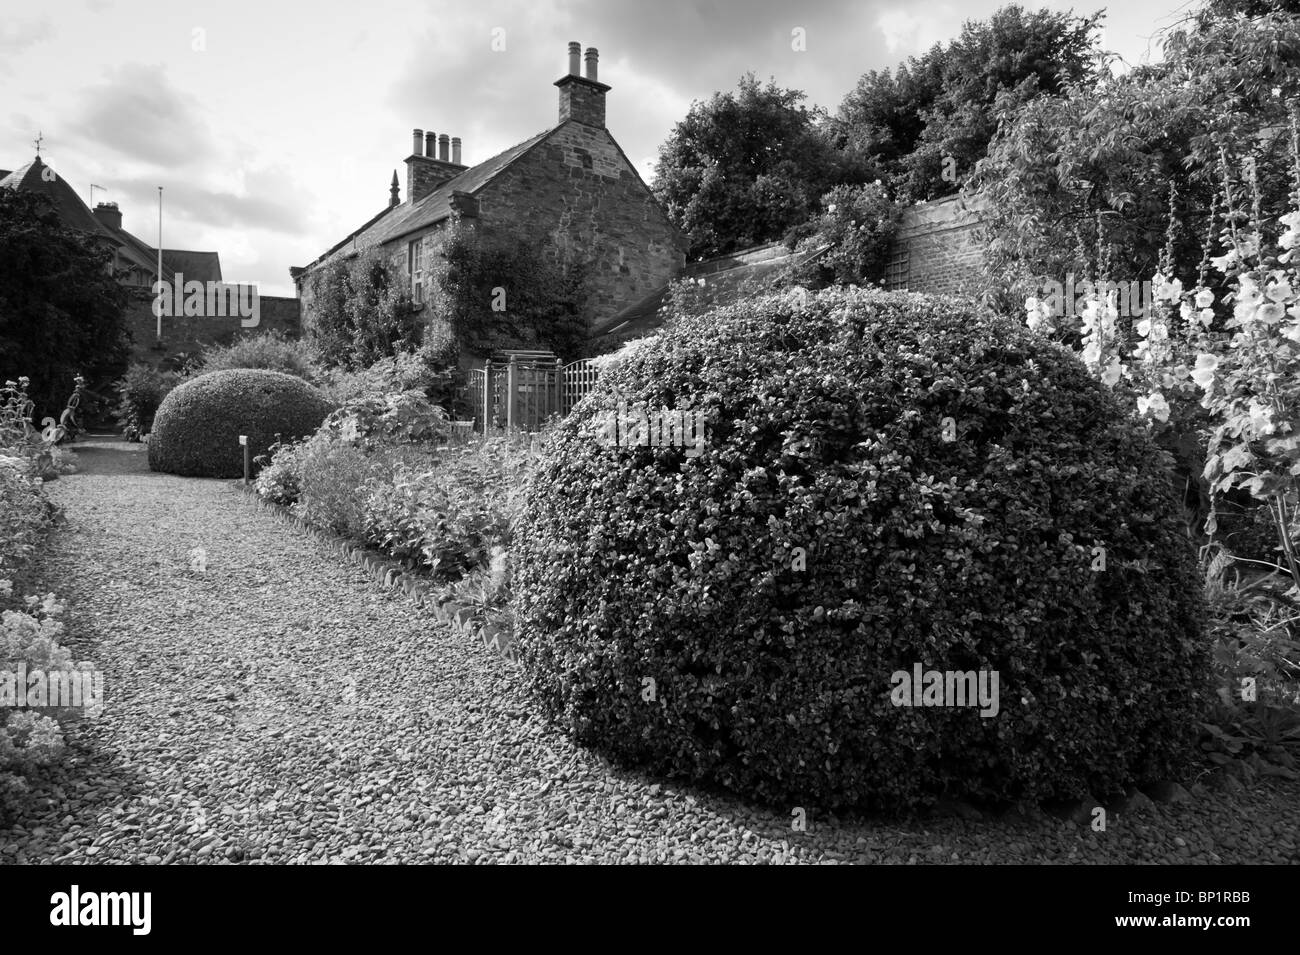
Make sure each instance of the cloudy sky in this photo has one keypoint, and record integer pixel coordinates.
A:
(275, 126)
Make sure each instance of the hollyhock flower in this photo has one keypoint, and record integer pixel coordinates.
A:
(1227, 262)
(1270, 313)
(1204, 298)
(1154, 405)
(1168, 290)
(1112, 373)
(1203, 374)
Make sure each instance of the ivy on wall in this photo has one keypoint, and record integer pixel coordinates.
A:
(507, 292)
(361, 311)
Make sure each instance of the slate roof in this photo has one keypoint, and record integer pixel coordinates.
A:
(396, 221)
(73, 213)
(204, 266)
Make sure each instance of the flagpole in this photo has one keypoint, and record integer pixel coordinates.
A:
(160, 285)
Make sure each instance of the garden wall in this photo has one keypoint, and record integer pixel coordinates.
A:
(189, 334)
(937, 249)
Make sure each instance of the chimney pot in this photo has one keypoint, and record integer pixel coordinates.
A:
(575, 54)
(455, 150)
(443, 141)
(417, 142)
(431, 144)
(592, 56)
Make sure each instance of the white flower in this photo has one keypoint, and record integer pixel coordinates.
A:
(1203, 374)
(1169, 290)
(1154, 405)
(1112, 372)
(1261, 417)
(1204, 298)
(1226, 262)
(1207, 317)
(1270, 313)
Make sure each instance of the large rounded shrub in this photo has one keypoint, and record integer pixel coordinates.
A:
(196, 430)
(886, 481)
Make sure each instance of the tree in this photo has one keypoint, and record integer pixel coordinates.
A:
(62, 313)
(926, 124)
(745, 167)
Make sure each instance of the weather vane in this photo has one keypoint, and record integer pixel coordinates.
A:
(39, 137)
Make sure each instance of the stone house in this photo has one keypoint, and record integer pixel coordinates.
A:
(571, 182)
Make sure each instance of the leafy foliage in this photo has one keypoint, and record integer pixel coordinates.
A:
(1085, 175)
(29, 738)
(140, 391)
(448, 519)
(404, 417)
(825, 420)
(508, 292)
(945, 104)
(361, 311)
(61, 311)
(856, 225)
(196, 430)
(272, 350)
(745, 167)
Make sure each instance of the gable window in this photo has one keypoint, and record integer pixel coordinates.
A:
(415, 268)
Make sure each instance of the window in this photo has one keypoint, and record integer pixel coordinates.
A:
(415, 266)
(896, 269)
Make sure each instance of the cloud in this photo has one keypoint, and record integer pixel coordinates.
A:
(913, 33)
(269, 200)
(17, 36)
(137, 112)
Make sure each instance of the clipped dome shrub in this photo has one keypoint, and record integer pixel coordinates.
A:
(196, 430)
(886, 481)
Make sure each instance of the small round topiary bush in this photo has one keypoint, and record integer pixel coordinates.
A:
(196, 430)
(886, 483)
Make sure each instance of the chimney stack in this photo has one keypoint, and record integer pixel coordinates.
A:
(109, 215)
(428, 166)
(393, 191)
(582, 98)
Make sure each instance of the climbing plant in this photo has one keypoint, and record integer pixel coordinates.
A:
(361, 311)
(508, 292)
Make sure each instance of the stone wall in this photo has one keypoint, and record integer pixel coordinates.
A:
(190, 334)
(577, 187)
(937, 250)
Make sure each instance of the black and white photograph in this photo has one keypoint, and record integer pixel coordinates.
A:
(708, 433)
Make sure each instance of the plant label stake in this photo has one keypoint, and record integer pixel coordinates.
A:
(243, 440)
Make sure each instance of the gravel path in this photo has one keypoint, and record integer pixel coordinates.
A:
(277, 707)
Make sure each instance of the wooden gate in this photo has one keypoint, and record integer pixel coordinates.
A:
(524, 390)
